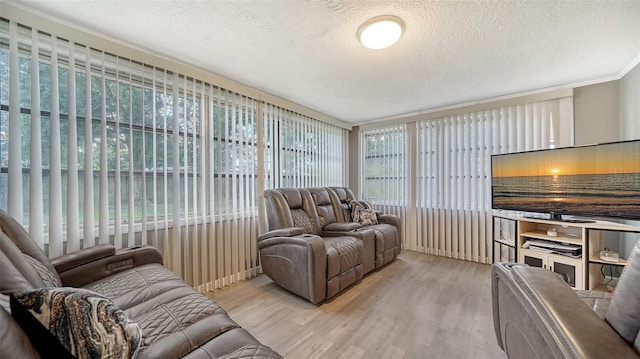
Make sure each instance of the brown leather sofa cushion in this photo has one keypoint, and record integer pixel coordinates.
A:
(176, 321)
(293, 197)
(325, 205)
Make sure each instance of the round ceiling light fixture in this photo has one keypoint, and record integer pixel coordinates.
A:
(381, 31)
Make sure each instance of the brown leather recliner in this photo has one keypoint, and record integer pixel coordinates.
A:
(176, 321)
(388, 230)
(297, 255)
(538, 315)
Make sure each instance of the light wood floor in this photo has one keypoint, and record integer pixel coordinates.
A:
(419, 306)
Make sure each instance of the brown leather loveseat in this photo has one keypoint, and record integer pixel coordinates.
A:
(174, 320)
(314, 249)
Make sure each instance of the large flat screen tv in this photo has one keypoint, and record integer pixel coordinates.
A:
(600, 180)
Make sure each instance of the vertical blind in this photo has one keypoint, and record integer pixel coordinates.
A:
(98, 148)
(311, 153)
(448, 211)
(454, 167)
(384, 169)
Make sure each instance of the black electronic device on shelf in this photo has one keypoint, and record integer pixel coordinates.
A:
(600, 180)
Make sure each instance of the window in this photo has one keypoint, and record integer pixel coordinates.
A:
(98, 148)
(385, 166)
(310, 153)
(100, 136)
(446, 205)
(234, 153)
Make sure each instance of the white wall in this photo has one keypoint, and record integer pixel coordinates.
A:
(630, 105)
(629, 130)
(605, 112)
(596, 113)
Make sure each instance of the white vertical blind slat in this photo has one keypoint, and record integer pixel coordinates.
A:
(236, 254)
(104, 171)
(257, 182)
(131, 205)
(241, 166)
(175, 250)
(88, 227)
(144, 236)
(208, 253)
(460, 189)
(227, 192)
(36, 215)
(303, 179)
(55, 170)
(183, 132)
(199, 209)
(252, 201)
(248, 164)
(214, 197)
(154, 157)
(467, 186)
(277, 139)
(117, 190)
(166, 246)
(218, 245)
(73, 211)
(14, 197)
(209, 259)
(482, 206)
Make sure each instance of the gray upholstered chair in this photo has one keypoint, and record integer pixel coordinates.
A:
(387, 231)
(295, 255)
(537, 315)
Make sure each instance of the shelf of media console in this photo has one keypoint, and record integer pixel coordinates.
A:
(562, 238)
(573, 251)
(573, 222)
(598, 260)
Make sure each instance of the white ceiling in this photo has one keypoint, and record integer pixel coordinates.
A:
(306, 51)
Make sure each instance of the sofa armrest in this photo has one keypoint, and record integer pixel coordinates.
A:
(537, 314)
(282, 232)
(341, 226)
(83, 256)
(89, 265)
(297, 263)
(390, 219)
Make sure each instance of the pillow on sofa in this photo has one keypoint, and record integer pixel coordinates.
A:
(363, 213)
(623, 314)
(49, 278)
(71, 322)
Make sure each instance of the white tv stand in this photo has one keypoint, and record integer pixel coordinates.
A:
(581, 272)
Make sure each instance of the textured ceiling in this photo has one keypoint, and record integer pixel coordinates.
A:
(307, 52)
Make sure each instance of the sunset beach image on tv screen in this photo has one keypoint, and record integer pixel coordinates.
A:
(600, 180)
